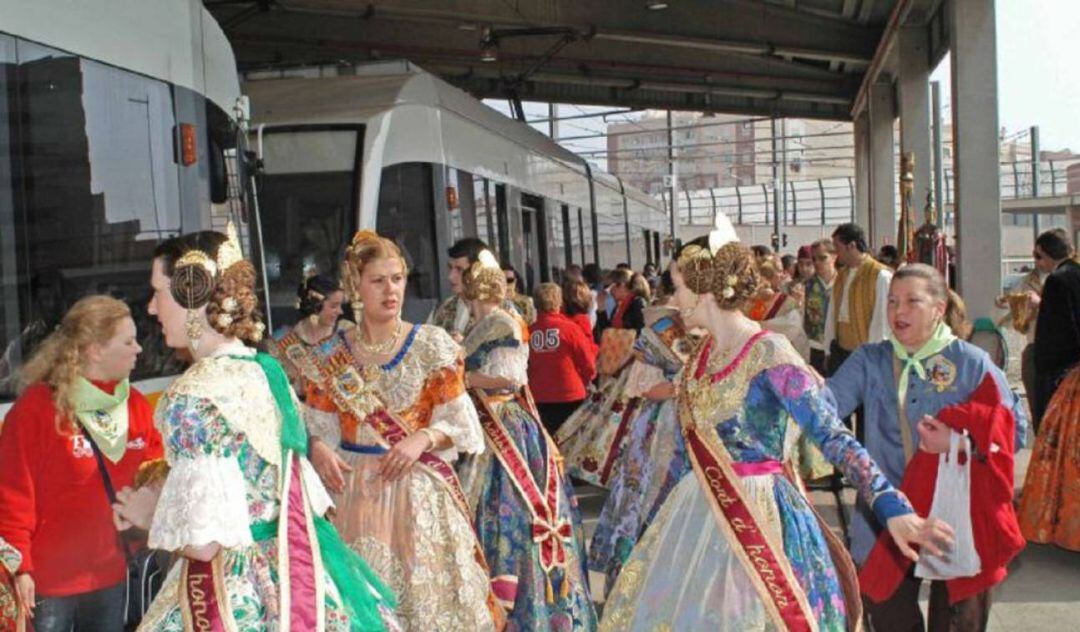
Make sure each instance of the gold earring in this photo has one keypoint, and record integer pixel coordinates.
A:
(194, 330)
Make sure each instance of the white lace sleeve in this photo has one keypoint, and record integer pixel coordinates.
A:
(509, 363)
(203, 501)
(458, 420)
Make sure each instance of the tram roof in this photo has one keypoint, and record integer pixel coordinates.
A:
(800, 58)
(380, 88)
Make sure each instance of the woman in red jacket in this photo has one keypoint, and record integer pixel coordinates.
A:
(55, 511)
(562, 360)
(577, 301)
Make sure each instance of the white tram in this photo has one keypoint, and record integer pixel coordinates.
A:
(396, 149)
(118, 128)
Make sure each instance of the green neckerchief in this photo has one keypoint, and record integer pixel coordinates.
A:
(940, 339)
(103, 415)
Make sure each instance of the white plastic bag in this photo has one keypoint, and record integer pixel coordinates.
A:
(952, 504)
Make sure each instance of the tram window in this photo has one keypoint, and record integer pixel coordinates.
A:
(406, 215)
(461, 203)
(486, 224)
(556, 243)
(306, 198)
(93, 189)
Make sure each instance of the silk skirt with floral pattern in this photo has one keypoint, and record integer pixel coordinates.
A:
(590, 438)
(652, 461)
(504, 524)
(1050, 503)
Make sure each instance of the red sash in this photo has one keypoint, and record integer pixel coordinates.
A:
(615, 448)
(204, 604)
(549, 532)
(781, 594)
(766, 565)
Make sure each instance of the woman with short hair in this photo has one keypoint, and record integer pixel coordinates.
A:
(562, 358)
(77, 420)
(922, 389)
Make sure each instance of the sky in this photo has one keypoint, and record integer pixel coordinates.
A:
(1038, 69)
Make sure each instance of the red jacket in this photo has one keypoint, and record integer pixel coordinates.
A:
(53, 506)
(582, 320)
(994, 525)
(562, 360)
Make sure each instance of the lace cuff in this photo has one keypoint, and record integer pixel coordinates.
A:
(203, 501)
(322, 424)
(458, 420)
(508, 363)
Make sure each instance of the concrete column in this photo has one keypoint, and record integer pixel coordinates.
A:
(861, 203)
(915, 111)
(973, 42)
(882, 228)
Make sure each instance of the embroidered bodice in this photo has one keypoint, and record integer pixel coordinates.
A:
(759, 403)
(422, 385)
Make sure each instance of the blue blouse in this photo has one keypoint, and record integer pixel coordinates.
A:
(866, 379)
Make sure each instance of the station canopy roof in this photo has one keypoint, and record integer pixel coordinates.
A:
(796, 58)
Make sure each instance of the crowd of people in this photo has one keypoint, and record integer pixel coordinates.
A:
(387, 475)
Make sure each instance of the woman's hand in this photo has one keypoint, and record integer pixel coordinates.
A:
(1034, 299)
(202, 553)
(929, 533)
(331, 467)
(24, 590)
(134, 508)
(663, 390)
(399, 460)
(933, 435)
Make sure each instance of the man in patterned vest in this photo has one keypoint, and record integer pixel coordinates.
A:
(857, 311)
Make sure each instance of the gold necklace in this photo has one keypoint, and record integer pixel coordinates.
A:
(380, 348)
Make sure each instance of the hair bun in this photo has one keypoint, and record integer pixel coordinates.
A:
(192, 285)
(696, 266)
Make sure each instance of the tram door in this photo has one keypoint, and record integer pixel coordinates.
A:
(532, 222)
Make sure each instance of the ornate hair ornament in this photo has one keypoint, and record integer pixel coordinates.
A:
(484, 280)
(195, 273)
(697, 264)
(696, 267)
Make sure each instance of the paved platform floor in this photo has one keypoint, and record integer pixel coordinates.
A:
(1041, 593)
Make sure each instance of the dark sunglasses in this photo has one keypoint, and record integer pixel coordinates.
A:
(821, 257)
(510, 280)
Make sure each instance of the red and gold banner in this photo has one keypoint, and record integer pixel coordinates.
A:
(204, 604)
(549, 532)
(783, 597)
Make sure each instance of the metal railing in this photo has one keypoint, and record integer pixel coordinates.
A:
(830, 201)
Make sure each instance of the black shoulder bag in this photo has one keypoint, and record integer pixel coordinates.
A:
(144, 572)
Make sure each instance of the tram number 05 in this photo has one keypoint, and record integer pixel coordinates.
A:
(544, 340)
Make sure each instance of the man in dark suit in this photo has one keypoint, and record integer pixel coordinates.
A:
(1057, 330)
